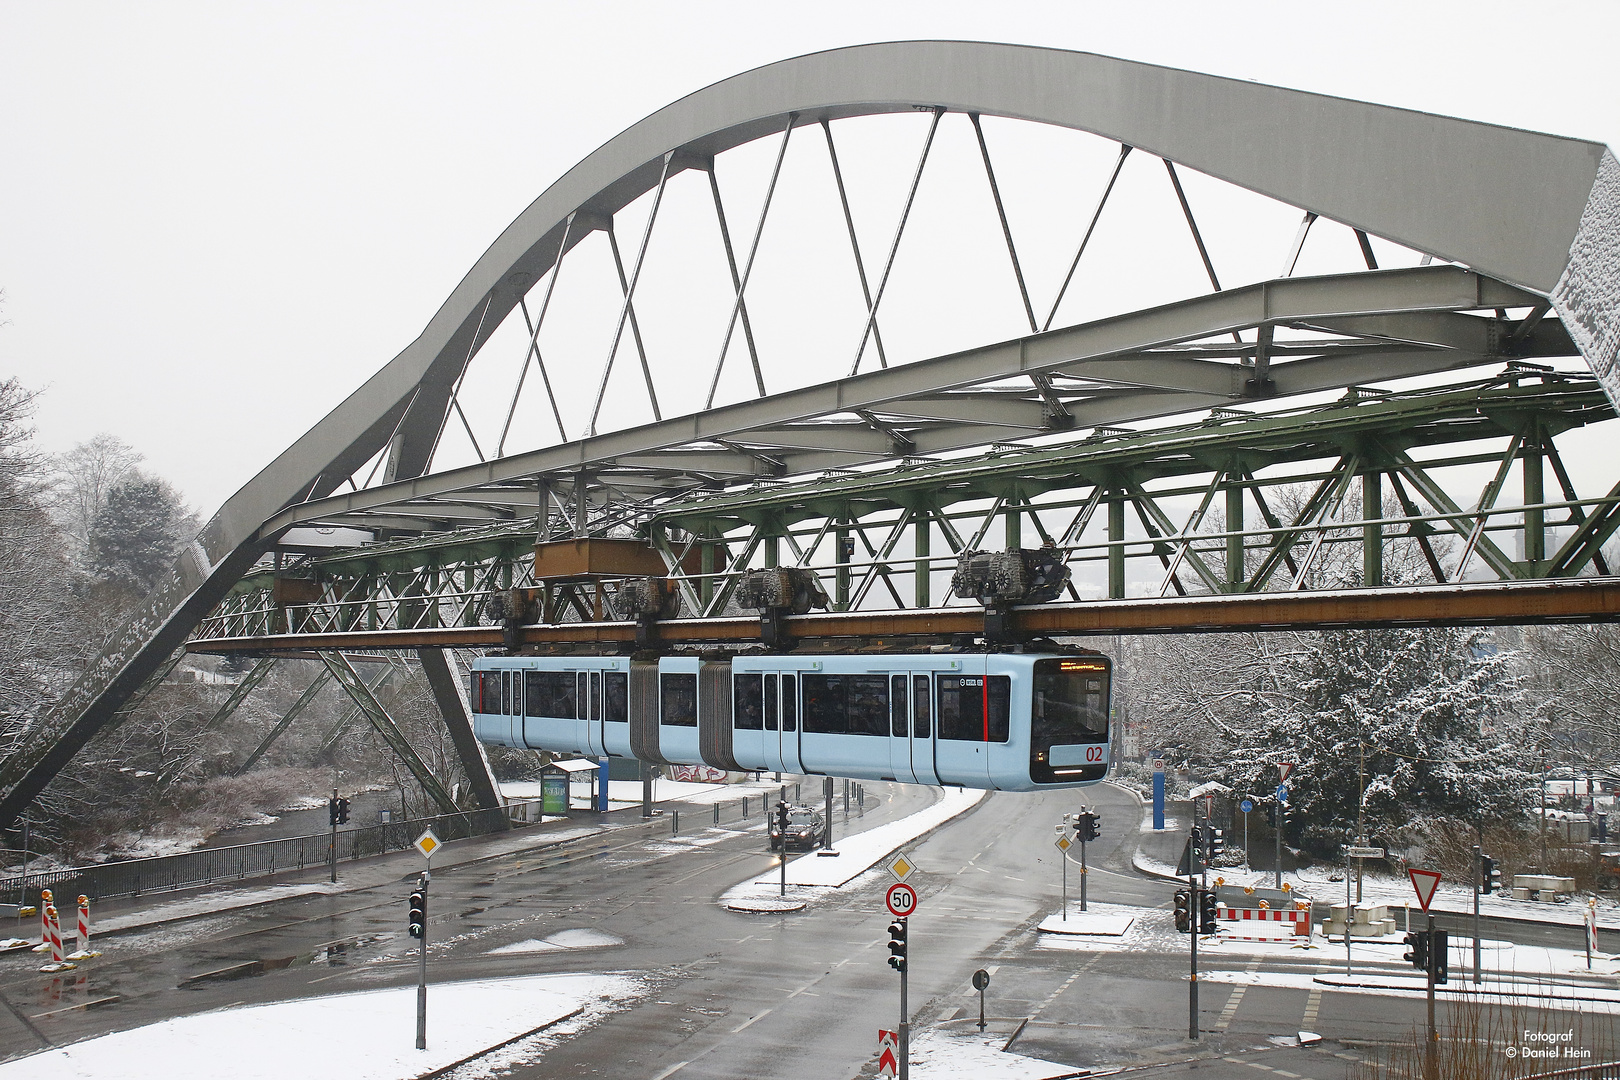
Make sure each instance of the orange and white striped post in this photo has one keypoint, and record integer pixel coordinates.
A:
(57, 962)
(45, 901)
(84, 951)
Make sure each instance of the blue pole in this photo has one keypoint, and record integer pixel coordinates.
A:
(1158, 801)
(602, 785)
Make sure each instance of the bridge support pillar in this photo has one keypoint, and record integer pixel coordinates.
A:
(1235, 573)
(1535, 521)
(1116, 545)
(922, 525)
(453, 707)
(1372, 536)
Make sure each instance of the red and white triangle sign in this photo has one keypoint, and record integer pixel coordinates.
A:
(1287, 770)
(1424, 881)
(888, 1042)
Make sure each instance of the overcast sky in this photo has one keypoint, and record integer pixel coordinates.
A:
(217, 219)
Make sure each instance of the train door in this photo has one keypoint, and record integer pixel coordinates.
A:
(961, 709)
(512, 703)
(748, 737)
(922, 728)
(590, 712)
(900, 729)
(788, 713)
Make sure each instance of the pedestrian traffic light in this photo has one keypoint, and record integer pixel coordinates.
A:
(1438, 953)
(342, 814)
(418, 918)
(897, 945)
(1207, 923)
(1489, 876)
(1183, 912)
(1417, 954)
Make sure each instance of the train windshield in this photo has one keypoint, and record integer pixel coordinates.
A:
(1069, 720)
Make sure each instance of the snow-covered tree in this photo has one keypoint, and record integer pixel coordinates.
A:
(1410, 723)
(137, 534)
(80, 482)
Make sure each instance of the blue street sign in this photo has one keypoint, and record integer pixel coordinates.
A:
(1282, 792)
(1245, 806)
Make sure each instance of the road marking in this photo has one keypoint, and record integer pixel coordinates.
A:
(739, 1027)
(1236, 999)
(672, 1070)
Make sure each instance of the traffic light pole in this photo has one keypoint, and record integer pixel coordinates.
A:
(1083, 876)
(331, 847)
(421, 973)
(1192, 982)
(1479, 876)
(1431, 1049)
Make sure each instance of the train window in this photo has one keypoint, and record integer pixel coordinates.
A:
(921, 706)
(581, 694)
(677, 699)
(747, 712)
(508, 701)
(790, 703)
(897, 706)
(615, 697)
(846, 704)
(962, 701)
(1068, 706)
(550, 693)
(770, 702)
(477, 690)
(596, 695)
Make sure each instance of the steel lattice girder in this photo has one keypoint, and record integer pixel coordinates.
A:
(1368, 431)
(1533, 210)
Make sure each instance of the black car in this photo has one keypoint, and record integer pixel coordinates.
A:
(805, 829)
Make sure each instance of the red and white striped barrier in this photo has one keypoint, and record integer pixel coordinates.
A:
(1300, 918)
(57, 962)
(45, 901)
(84, 951)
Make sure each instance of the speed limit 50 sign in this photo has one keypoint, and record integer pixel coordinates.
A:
(902, 899)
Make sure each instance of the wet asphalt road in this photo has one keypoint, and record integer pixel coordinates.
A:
(727, 994)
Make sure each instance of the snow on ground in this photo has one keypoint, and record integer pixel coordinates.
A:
(565, 939)
(1451, 896)
(858, 853)
(944, 1054)
(368, 1035)
(1099, 920)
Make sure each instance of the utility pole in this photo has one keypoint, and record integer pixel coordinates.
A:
(331, 847)
(1194, 866)
(1431, 1049)
(1479, 884)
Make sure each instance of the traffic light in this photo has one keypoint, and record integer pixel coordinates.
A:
(1214, 842)
(1489, 876)
(1438, 952)
(1183, 912)
(418, 919)
(1198, 842)
(782, 820)
(1206, 914)
(1417, 953)
(332, 811)
(1271, 814)
(342, 814)
(1086, 826)
(897, 945)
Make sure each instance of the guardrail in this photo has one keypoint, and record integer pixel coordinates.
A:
(211, 866)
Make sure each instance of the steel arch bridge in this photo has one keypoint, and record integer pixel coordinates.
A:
(1419, 303)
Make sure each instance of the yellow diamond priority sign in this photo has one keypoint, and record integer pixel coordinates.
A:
(1063, 843)
(901, 866)
(427, 844)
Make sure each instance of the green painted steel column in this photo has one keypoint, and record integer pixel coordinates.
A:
(1116, 546)
(1535, 521)
(1235, 574)
(841, 573)
(1372, 536)
(1013, 515)
(773, 548)
(922, 526)
(706, 567)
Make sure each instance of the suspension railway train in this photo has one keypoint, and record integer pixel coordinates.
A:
(1005, 721)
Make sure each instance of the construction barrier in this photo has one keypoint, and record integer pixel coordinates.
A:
(84, 951)
(1298, 917)
(45, 901)
(55, 928)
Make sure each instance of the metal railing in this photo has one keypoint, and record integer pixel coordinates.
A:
(211, 866)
